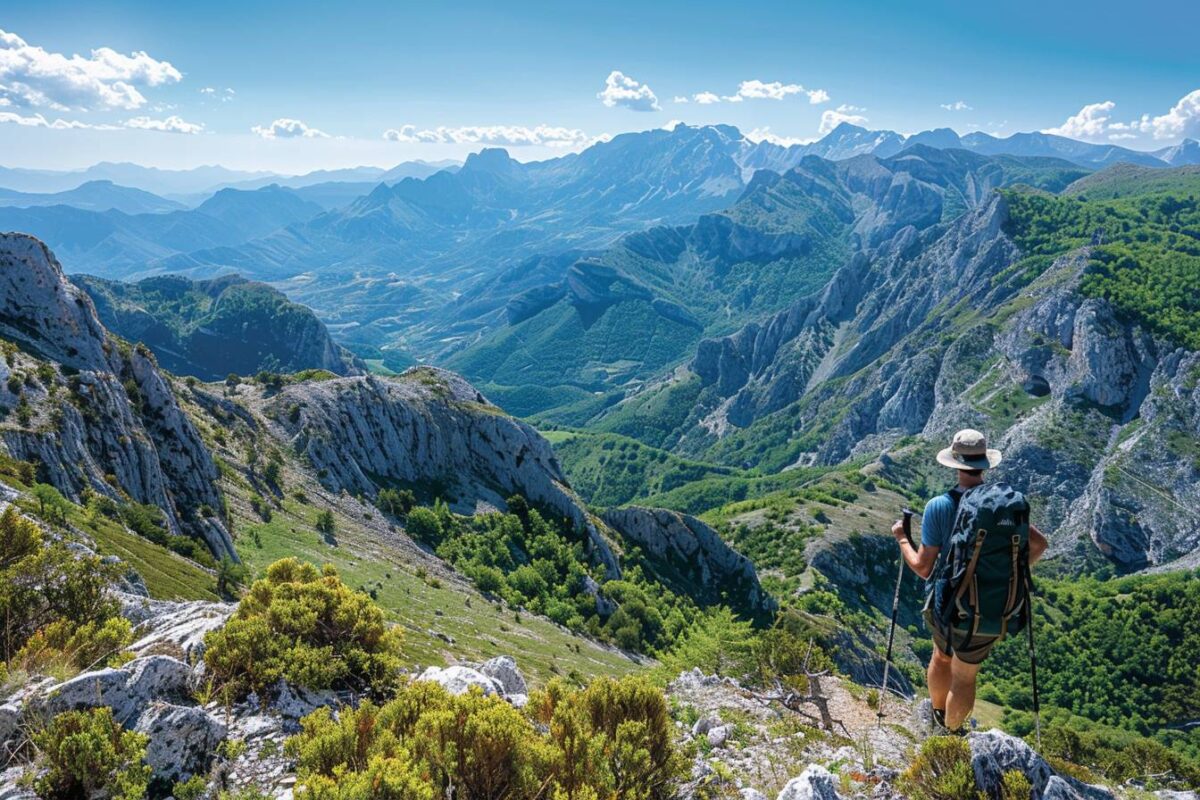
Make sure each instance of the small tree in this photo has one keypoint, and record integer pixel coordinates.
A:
(52, 506)
(230, 575)
(325, 522)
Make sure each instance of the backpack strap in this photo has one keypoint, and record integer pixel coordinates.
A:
(968, 581)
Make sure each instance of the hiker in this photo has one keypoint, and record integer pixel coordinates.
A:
(980, 589)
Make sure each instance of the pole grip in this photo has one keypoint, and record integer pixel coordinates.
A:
(908, 515)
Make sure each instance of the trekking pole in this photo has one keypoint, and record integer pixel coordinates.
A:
(1037, 710)
(887, 661)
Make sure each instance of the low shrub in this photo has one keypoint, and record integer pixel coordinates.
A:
(305, 626)
(64, 646)
(941, 771)
(613, 739)
(89, 754)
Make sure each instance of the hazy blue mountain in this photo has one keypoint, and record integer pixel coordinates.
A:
(163, 182)
(334, 194)
(1045, 144)
(783, 239)
(421, 243)
(214, 327)
(418, 169)
(93, 196)
(117, 244)
(1182, 154)
(847, 141)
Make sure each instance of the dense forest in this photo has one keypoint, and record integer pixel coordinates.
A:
(1145, 252)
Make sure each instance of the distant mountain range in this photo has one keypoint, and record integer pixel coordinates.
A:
(94, 196)
(417, 252)
(117, 244)
(202, 181)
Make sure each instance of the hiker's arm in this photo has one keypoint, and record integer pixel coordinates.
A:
(1037, 544)
(920, 560)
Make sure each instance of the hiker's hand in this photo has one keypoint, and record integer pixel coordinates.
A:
(898, 531)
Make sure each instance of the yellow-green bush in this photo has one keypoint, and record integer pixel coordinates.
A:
(941, 771)
(66, 647)
(610, 740)
(305, 626)
(1015, 786)
(89, 754)
(55, 605)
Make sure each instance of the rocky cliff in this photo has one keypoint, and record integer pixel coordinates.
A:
(432, 430)
(692, 558)
(89, 410)
(936, 330)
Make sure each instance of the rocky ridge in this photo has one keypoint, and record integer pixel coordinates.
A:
(122, 430)
(931, 332)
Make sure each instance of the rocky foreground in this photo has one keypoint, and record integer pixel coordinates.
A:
(740, 742)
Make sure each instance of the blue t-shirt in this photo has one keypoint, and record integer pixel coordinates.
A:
(938, 521)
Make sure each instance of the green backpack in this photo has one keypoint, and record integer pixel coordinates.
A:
(982, 585)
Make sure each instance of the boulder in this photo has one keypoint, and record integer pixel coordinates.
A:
(993, 753)
(503, 670)
(702, 726)
(459, 680)
(718, 736)
(182, 740)
(127, 690)
(815, 783)
(172, 626)
(295, 702)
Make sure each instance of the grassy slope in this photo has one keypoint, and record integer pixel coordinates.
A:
(414, 588)
(168, 576)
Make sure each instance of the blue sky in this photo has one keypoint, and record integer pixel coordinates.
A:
(302, 85)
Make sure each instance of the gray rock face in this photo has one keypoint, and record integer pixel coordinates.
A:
(149, 446)
(503, 670)
(815, 783)
(182, 740)
(993, 753)
(688, 553)
(170, 626)
(459, 680)
(428, 426)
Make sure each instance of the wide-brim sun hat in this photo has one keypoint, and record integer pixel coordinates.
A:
(969, 450)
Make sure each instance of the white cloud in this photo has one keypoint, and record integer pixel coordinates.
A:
(38, 121)
(1183, 120)
(1094, 122)
(757, 90)
(500, 135)
(622, 90)
(760, 90)
(1091, 122)
(764, 134)
(679, 99)
(172, 124)
(957, 105)
(285, 128)
(32, 77)
(844, 113)
(208, 90)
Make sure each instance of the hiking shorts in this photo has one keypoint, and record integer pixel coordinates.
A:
(973, 652)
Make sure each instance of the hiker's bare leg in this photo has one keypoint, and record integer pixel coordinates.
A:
(938, 676)
(961, 699)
